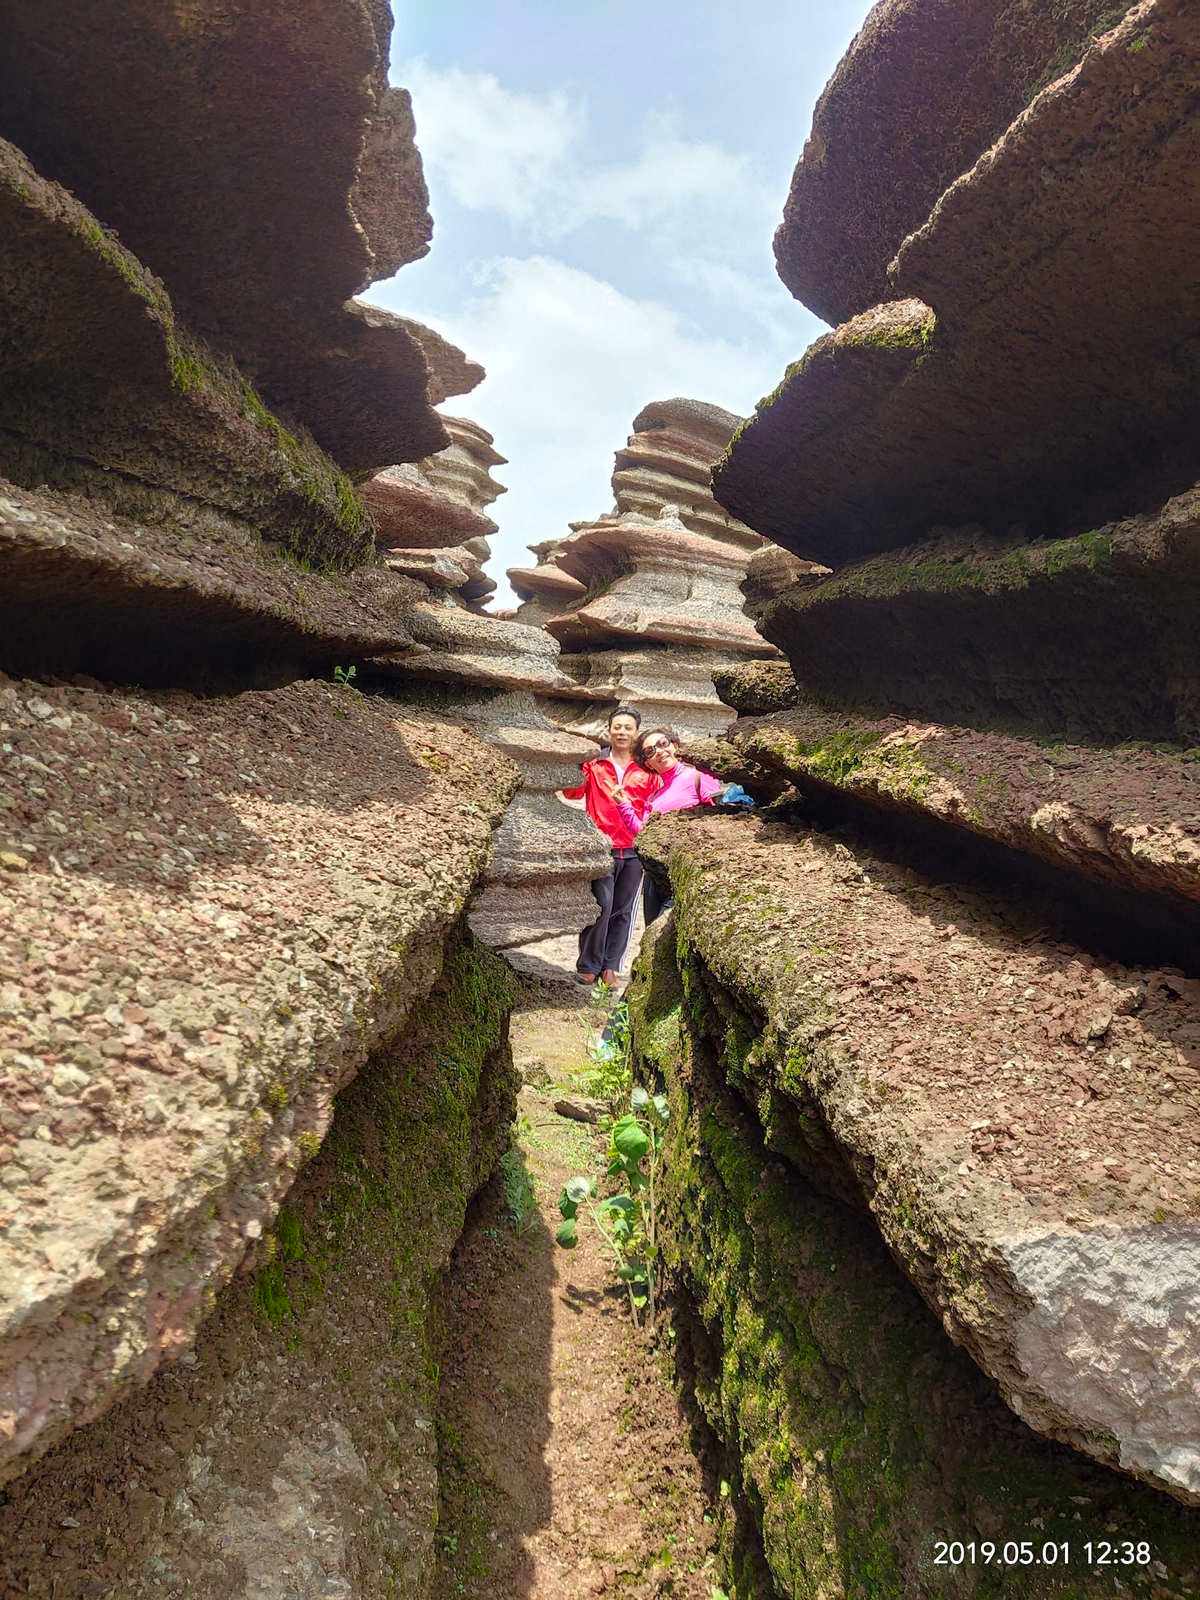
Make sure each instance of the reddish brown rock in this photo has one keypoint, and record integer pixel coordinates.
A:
(441, 501)
(214, 910)
(1053, 383)
(103, 389)
(925, 87)
(983, 1083)
(1090, 639)
(185, 133)
(1127, 816)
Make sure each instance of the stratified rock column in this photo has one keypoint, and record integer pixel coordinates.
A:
(492, 676)
(646, 599)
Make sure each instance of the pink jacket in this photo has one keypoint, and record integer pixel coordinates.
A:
(682, 788)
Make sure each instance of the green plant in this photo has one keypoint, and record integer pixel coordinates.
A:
(610, 1074)
(345, 676)
(627, 1222)
(520, 1201)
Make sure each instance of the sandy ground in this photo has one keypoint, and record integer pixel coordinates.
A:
(567, 1463)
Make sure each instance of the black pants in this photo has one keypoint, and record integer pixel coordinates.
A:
(654, 899)
(602, 946)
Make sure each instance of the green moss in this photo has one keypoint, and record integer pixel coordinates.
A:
(854, 1433)
(1012, 570)
(406, 1183)
(885, 335)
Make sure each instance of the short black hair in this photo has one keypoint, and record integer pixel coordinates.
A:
(625, 711)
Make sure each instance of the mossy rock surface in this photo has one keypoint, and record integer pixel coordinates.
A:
(311, 1400)
(857, 1437)
(101, 381)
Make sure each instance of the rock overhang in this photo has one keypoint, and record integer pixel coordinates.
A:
(1061, 273)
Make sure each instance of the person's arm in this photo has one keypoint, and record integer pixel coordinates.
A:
(629, 815)
(708, 787)
(575, 797)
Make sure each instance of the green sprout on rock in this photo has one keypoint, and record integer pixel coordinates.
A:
(626, 1221)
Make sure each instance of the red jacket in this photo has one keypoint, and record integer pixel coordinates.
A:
(596, 791)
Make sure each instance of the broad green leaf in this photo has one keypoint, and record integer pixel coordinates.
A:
(578, 1189)
(617, 1202)
(567, 1235)
(629, 1275)
(567, 1206)
(639, 1099)
(640, 1300)
(629, 1140)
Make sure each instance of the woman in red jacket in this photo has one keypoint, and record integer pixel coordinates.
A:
(602, 946)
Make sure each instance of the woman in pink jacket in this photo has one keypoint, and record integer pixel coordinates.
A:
(679, 788)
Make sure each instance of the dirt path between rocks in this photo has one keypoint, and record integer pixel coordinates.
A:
(566, 1459)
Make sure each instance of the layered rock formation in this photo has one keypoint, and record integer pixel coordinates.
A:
(430, 516)
(833, 1142)
(496, 679)
(889, 134)
(184, 132)
(646, 599)
(932, 1055)
(1036, 368)
(253, 1064)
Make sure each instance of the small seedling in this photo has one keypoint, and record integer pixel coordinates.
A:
(344, 677)
(609, 1075)
(627, 1221)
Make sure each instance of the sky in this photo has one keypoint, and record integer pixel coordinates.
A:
(605, 177)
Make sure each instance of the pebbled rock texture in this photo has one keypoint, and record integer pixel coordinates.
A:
(1127, 815)
(1090, 639)
(1018, 1119)
(184, 130)
(925, 87)
(755, 687)
(215, 911)
(1051, 384)
(853, 1434)
(294, 1451)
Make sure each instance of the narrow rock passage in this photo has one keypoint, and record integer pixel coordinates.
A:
(566, 1461)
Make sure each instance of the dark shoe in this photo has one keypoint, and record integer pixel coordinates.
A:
(586, 978)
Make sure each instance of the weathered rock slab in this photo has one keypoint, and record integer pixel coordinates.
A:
(184, 131)
(854, 1435)
(1128, 815)
(1091, 638)
(1020, 1119)
(176, 592)
(214, 911)
(923, 90)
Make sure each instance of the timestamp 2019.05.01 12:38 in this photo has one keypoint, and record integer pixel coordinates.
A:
(1042, 1553)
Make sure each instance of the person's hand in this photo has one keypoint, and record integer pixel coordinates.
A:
(619, 795)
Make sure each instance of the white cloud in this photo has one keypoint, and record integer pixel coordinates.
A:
(529, 157)
(494, 148)
(570, 361)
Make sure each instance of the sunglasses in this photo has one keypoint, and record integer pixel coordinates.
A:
(658, 744)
